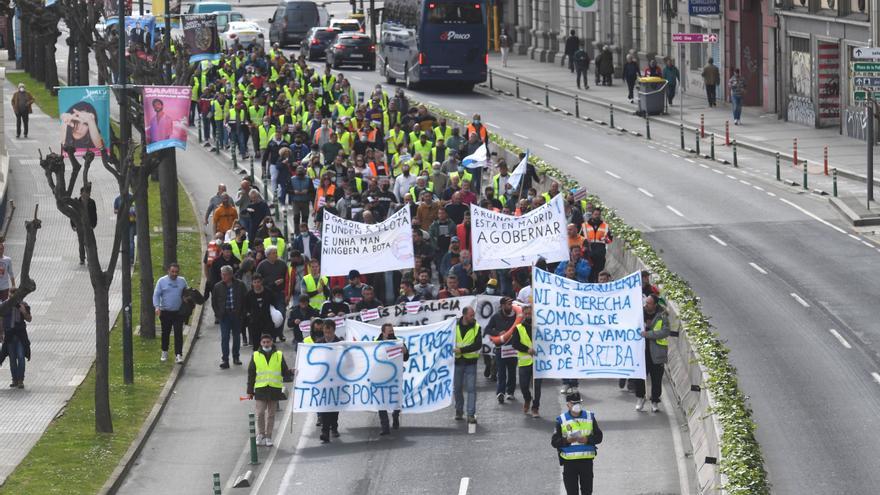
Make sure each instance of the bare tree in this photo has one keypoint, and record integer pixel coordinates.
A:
(26, 285)
(39, 32)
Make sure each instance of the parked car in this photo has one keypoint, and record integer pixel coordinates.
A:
(292, 20)
(346, 25)
(316, 42)
(244, 33)
(352, 49)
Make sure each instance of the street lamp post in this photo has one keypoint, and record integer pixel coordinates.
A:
(125, 131)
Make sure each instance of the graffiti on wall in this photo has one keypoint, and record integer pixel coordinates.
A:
(800, 110)
(801, 73)
(828, 64)
(856, 124)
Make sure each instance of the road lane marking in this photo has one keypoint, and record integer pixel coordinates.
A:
(719, 241)
(612, 174)
(492, 125)
(673, 210)
(460, 113)
(800, 300)
(866, 243)
(745, 182)
(758, 268)
(520, 135)
(653, 148)
(840, 338)
(463, 486)
(771, 194)
(814, 217)
(689, 160)
(583, 160)
(663, 151)
(357, 78)
(646, 193)
(554, 148)
(876, 376)
(731, 177)
(855, 237)
(758, 188)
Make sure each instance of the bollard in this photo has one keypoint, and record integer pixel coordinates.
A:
(681, 134)
(611, 114)
(726, 133)
(252, 428)
(277, 211)
(253, 178)
(697, 134)
(805, 175)
(201, 125)
(491, 86)
(735, 161)
(778, 172)
(647, 126)
(577, 107)
(234, 158)
(286, 229)
(712, 146)
(265, 186)
(825, 156)
(546, 96)
(834, 181)
(216, 483)
(702, 126)
(517, 86)
(794, 160)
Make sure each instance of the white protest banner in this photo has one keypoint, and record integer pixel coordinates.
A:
(587, 330)
(348, 376)
(428, 375)
(504, 241)
(433, 311)
(368, 248)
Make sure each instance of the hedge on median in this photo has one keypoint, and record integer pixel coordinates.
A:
(741, 460)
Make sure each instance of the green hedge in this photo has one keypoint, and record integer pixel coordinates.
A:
(741, 460)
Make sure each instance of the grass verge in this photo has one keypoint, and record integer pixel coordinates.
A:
(70, 458)
(43, 97)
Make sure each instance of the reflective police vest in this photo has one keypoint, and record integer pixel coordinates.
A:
(317, 300)
(268, 373)
(523, 358)
(239, 250)
(570, 427)
(469, 338)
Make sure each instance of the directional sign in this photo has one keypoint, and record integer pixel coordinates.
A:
(862, 95)
(704, 7)
(862, 81)
(866, 53)
(694, 38)
(866, 67)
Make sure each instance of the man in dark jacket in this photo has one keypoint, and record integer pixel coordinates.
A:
(605, 66)
(300, 313)
(266, 387)
(329, 420)
(572, 43)
(581, 64)
(227, 299)
(387, 333)
(256, 309)
(16, 343)
(575, 439)
(468, 343)
(505, 367)
(521, 340)
(93, 221)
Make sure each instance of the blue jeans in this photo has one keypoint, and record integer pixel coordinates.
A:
(465, 377)
(737, 106)
(230, 325)
(505, 369)
(16, 359)
(220, 133)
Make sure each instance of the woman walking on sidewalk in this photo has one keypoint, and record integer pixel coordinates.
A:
(737, 87)
(16, 344)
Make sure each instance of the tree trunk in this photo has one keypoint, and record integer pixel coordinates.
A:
(82, 52)
(168, 195)
(103, 419)
(145, 255)
(72, 75)
(51, 67)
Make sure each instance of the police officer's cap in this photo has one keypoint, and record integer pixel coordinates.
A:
(573, 397)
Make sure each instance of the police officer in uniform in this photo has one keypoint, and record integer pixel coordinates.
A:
(575, 439)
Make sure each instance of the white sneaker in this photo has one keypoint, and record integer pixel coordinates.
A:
(565, 390)
(179, 359)
(259, 440)
(655, 407)
(164, 356)
(268, 442)
(640, 404)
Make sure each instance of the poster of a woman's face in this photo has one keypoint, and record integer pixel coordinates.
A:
(85, 124)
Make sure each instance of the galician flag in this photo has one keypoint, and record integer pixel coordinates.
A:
(478, 158)
(519, 172)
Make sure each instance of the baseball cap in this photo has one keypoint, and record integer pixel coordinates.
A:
(454, 239)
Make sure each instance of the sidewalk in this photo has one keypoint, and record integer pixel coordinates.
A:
(760, 131)
(62, 332)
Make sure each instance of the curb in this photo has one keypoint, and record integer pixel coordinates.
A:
(126, 463)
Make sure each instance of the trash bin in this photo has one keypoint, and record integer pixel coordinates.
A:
(652, 97)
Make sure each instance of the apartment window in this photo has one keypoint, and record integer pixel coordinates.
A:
(859, 6)
(829, 5)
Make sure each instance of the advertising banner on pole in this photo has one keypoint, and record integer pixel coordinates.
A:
(166, 109)
(85, 118)
(427, 377)
(200, 37)
(588, 330)
(348, 376)
(368, 248)
(501, 241)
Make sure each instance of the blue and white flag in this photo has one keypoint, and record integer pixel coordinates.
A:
(518, 173)
(478, 158)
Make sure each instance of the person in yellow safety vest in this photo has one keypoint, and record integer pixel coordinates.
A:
(394, 140)
(195, 90)
(391, 116)
(442, 131)
(267, 373)
(315, 286)
(276, 240)
(265, 132)
(422, 146)
(521, 340)
(554, 190)
(328, 79)
(439, 152)
(465, 175)
(344, 136)
(219, 108)
(468, 343)
(422, 185)
(383, 96)
(256, 111)
(575, 438)
(344, 108)
(656, 335)
(414, 135)
(316, 330)
(240, 245)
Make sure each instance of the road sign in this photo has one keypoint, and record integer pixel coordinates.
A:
(704, 7)
(862, 81)
(866, 53)
(866, 67)
(694, 38)
(862, 95)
